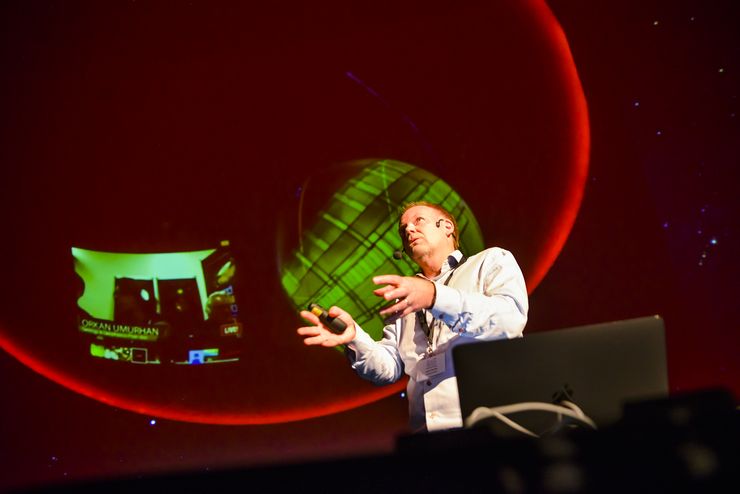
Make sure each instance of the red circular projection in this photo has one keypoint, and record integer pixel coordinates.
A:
(143, 128)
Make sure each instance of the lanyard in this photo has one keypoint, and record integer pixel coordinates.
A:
(422, 316)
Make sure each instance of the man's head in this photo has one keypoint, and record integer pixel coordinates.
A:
(425, 228)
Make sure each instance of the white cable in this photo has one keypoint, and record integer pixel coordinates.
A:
(573, 407)
(506, 420)
(579, 415)
(571, 410)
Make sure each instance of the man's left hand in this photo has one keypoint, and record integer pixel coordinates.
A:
(412, 293)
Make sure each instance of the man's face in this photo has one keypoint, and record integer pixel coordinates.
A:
(420, 234)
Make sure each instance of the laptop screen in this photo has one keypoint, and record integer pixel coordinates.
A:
(598, 367)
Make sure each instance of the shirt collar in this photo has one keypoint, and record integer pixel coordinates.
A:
(451, 262)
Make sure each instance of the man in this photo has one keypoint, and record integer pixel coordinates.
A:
(453, 300)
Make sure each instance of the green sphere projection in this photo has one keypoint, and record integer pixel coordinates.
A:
(354, 235)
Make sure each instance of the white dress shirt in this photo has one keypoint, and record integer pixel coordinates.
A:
(485, 298)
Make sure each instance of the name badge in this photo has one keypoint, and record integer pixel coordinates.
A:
(430, 366)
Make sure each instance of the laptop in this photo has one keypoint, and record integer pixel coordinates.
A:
(598, 367)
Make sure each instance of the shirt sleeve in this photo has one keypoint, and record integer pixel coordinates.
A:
(376, 361)
(497, 307)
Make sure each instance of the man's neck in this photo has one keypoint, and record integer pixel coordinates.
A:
(431, 264)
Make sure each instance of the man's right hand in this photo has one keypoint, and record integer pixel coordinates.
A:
(318, 334)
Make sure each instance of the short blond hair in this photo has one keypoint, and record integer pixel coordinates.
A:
(447, 215)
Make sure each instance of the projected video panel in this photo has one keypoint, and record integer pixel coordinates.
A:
(159, 308)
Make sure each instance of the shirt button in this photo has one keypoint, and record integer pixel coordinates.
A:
(429, 382)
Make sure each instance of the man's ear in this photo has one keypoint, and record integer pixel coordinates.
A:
(449, 228)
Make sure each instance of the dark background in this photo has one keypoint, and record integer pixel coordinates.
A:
(654, 235)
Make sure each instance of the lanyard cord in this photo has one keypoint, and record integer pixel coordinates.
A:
(422, 316)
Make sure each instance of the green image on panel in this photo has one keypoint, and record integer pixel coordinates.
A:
(354, 236)
(100, 270)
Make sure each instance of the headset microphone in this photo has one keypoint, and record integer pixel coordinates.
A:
(438, 222)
